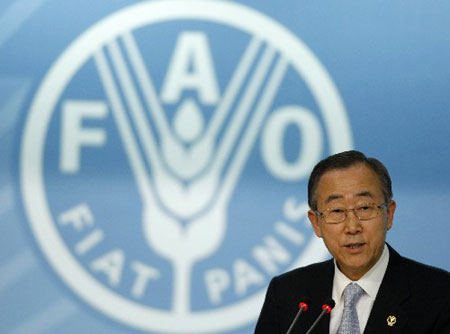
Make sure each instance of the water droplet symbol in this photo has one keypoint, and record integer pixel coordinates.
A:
(188, 121)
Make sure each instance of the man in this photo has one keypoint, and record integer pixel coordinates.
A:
(375, 289)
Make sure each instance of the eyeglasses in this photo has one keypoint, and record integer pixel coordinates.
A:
(364, 211)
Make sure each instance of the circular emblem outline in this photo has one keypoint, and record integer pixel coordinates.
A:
(42, 108)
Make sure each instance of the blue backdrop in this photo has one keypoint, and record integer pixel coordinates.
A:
(155, 154)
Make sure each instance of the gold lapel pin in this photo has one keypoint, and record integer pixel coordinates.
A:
(391, 320)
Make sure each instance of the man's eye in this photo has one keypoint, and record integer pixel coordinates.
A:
(336, 211)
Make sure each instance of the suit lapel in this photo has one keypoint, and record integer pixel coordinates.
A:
(387, 315)
(319, 290)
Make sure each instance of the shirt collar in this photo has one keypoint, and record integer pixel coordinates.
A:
(370, 282)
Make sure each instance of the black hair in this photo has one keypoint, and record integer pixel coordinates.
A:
(344, 160)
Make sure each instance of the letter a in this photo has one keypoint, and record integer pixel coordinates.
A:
(110, 264)
(191, 67)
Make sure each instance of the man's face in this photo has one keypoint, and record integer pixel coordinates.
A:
(355, 244)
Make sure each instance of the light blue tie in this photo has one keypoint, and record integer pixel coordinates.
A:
(349, 322)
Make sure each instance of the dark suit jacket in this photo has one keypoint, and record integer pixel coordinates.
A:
(416, 294)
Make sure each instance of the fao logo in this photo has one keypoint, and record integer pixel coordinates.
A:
(165, 157)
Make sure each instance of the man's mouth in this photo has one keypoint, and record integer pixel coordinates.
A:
(354, 246)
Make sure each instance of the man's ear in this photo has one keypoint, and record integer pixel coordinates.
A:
(390, 214)
(314, 219)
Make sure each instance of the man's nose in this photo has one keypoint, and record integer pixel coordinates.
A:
(352, 222)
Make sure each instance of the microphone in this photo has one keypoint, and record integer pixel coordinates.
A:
(326, 308)
(302, 307)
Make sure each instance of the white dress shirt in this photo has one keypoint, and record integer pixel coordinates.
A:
(370, 283)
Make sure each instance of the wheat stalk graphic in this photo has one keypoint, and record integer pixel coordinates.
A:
(166, 200)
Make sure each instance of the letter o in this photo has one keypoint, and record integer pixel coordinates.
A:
(272, 142)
